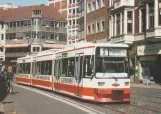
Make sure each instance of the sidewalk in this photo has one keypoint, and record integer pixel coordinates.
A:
(152, 86)
(7, 106)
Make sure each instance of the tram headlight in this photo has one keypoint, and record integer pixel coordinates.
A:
(127, 83)
(101, 83)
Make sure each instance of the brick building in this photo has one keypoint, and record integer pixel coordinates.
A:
(97, 20)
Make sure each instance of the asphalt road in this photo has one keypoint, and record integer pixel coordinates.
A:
(27, 100)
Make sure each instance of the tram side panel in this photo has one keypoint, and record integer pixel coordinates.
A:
(42, 71)
(24, 67)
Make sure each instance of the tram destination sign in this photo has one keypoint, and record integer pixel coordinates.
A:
(113, 52)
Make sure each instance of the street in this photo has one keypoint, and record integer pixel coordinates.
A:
(27, 100)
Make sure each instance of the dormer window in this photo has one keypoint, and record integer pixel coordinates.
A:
(36, 12)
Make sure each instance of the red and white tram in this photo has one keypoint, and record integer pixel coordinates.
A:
(89, 71)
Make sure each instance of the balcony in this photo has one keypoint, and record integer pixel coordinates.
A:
(121, 3)
(37, 41)
(16, 54)
(128, 38)
(36, 28)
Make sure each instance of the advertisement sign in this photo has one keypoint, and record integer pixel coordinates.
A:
(149, 49)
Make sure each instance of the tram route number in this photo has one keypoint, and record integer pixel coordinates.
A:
(67, 80)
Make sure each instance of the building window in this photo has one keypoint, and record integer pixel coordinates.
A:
(93, 28)
(2, 25)
(113, 25)
(151, 15)
(89, 30)
(102, 25)
(70, 1)
(122, 22)
(81, 6)
(70, 22)
(129, 22)
(118, 24)
(73, 22)
(97, 27)
(103, 3)
(93, 6)
(98, 4)
(143, 20)
(73, 11)
(2, 36)
(159, 12)
(89, 8)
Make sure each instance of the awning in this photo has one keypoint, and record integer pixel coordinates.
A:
(57, 46)
(15, 46)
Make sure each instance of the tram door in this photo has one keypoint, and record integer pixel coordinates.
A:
(79, 73)
(57, 73)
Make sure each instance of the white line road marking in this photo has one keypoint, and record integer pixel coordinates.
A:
(69, 102)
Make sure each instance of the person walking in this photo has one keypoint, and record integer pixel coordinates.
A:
(9, 79)
(147, 75)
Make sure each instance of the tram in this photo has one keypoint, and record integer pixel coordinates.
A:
(89, 71)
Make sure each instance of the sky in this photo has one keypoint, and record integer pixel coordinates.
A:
(24, 2)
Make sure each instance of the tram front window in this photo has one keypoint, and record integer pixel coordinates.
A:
(110, 67)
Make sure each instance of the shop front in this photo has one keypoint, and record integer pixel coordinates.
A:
(149, 56)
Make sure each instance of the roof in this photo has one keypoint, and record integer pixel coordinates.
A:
(26, 12)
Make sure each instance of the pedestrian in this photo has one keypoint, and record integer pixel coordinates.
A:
(9, 78)
(147, 75)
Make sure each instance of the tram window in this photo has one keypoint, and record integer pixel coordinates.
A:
(48, 67)
(65, 67)
(43, 67)
(24, 68)
(68, 67)
(88, 66)
(71, 63)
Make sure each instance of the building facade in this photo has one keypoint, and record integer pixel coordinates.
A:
(82, 20)
(121, 21)
(97, 24)
(69, 9)
(148, 37)
(39, 28)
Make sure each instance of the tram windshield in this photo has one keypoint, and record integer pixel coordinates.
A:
(110, 67)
